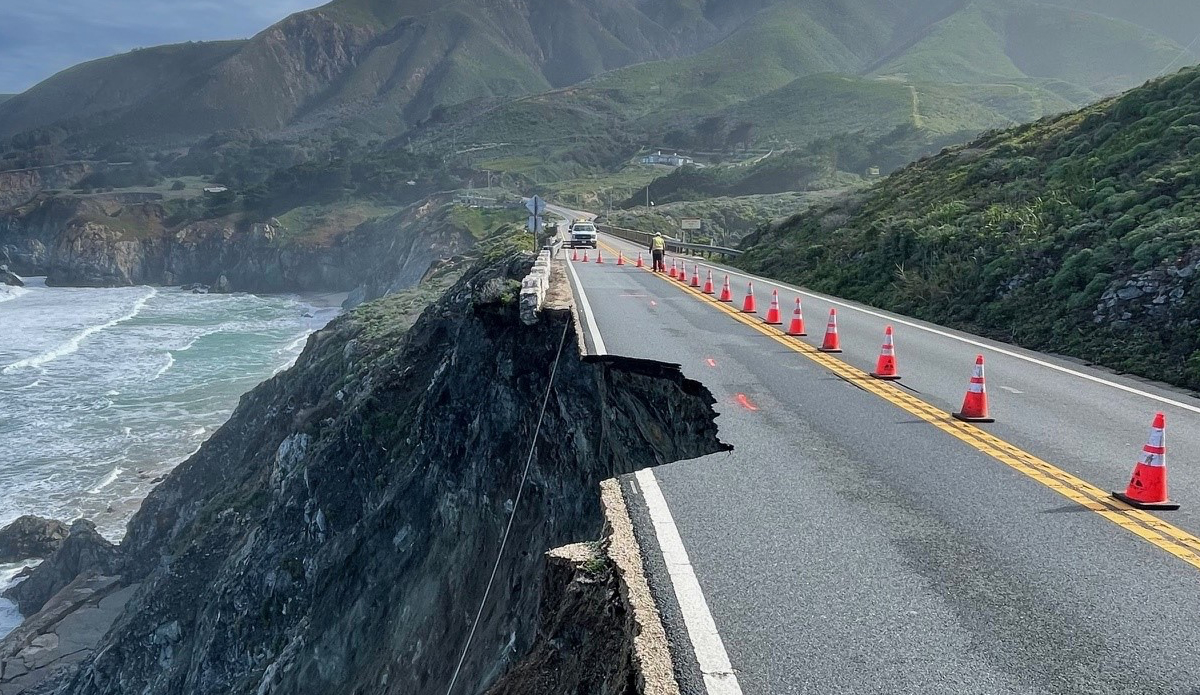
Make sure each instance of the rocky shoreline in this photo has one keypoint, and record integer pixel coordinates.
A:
(123, 240)
(327, 538)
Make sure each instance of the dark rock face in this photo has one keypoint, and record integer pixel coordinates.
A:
(16, 187)
(84, 552)
(31, 537)
(584, 644)
(336, 535)
(7, 277)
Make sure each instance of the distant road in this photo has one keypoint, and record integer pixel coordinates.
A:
(858, 540)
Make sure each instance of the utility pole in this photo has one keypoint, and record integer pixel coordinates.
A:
(647, 195)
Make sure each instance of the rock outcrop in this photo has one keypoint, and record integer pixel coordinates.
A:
(7, 277)
(84, 552)
(31, 538)
(337, 534)
(583, 645)
(20, 185)
(1159, 297)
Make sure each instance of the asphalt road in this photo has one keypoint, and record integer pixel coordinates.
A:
(851, 544)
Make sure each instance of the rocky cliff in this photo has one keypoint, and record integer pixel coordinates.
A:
(126, 239)
(20, 185)
(337, 534)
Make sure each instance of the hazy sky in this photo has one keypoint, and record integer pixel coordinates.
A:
(40, 37)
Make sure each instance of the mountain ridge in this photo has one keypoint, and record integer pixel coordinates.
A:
(375, 67)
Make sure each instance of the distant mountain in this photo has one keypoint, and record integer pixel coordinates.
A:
(383, 64)
(384, 67)
(5, 97)
(803, 70)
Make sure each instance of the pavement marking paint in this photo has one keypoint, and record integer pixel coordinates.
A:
(1011, 390)
(719, 678)
(1164, 535)
(746, 403)
(895, 318)
(589, 318)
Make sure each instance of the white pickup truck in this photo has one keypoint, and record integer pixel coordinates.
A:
(581, 234)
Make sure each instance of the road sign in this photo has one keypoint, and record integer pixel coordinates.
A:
(689, 223)
(535, 224)
(536, 206)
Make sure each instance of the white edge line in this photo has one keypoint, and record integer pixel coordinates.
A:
(719, 678)
(985, 346)
(589, 320)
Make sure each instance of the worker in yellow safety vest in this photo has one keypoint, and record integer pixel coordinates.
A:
(658, 249)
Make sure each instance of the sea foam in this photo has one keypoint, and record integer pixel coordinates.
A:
(72, 345)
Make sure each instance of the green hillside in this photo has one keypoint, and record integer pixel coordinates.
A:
(1078, 234)
(87, 92)
(372, 65)
(798, 73)
(1012, 39)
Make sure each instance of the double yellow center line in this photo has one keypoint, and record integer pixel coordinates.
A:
(1170, 538)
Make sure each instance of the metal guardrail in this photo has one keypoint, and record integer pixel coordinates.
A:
(673, 245)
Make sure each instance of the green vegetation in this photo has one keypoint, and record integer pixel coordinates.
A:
(1077, 234)
(1011, 40)
(598, 191)
(723, 220)
(385, 321)
(482, 222)
(322, 224)
(779, 173)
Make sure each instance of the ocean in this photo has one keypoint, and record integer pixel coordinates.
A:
(102, 391)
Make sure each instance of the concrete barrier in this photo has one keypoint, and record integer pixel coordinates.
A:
(533, 288)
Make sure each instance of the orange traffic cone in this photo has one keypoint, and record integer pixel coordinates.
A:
(708, 284)
(885, 368)
(748, 305)
(575, 254)
(585, 258)
(797, 327)
(620, 258)
(975, 405)
(674, 271)
(773, 316)
(1148, 487)
(726, 292)
(599, 256)
(832, 343)
(696, 277)
(640, 263)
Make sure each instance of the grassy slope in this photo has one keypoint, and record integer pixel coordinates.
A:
(99, 86)
(1012, 40)
(794, 71)
(376, 65)
(1020, 234)
(723, 220)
